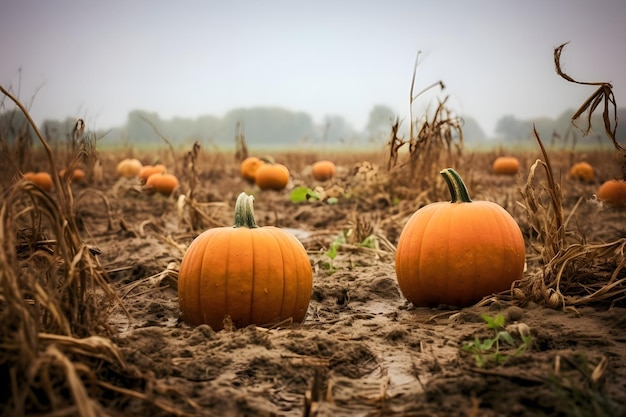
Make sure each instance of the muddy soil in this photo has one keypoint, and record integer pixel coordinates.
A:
(362, 350)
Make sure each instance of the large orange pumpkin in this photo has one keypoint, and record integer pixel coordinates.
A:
(323, 170)
(582, 171)
(162, 183)
(455, 253)
(254, 275)
(613, 192)
(249, 167)
(129, 167)
(271, 176)
(41, 179)
(505, 165)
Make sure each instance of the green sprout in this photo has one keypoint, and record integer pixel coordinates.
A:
(498, 348)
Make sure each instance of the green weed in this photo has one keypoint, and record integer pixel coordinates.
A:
(498, 348)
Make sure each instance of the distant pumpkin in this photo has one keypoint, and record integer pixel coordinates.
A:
(505, 165)
(148, 170)
(41, 179)
(162, 183)
(77, 174)
(582, 171)
(613, 193)
(249, 166)
(323, 170)
(129, 168)
(272, 176)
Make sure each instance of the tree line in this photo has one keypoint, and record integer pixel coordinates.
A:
(274, 126)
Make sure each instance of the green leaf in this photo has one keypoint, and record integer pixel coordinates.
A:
(300, 194)
(506, 336)
(332, 200)
(369, 242)
(495, 322)
(487, 344)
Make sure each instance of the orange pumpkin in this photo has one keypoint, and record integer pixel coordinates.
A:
(76, 175)
(457, 252)
(41, 179)
(323, 170)
(271, 176)
(613, 193)
(148, 170)
(249, 167)
(582, 171)
(254, 275)
(162, 183)
(129, 168)
(505, 165)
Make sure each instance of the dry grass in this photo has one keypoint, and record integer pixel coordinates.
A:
(52, 292)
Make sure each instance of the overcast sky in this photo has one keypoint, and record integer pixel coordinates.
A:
(100, 59)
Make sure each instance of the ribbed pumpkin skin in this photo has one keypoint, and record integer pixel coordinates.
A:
(256, 276)
(458, 253)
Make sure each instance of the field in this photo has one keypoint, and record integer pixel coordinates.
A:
(91, 322)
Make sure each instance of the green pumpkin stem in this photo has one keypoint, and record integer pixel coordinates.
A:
(244, 211)
(457, 187)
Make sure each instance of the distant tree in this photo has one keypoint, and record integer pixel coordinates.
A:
(473, 134)
(338, 130)
(379, 123)
(512, 129)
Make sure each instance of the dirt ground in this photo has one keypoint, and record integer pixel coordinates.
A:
(362, 350)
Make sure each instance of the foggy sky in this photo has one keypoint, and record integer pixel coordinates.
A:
(100, 59)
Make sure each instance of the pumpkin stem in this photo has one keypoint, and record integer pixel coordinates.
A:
(457, 187)
(244, 211)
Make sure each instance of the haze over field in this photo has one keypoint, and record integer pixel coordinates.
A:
(101, 60)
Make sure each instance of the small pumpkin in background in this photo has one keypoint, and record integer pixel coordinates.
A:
(147, 170)
(249, 166)
(455, 253)
(323, 170)
(129, 168)
(582, 171)
(613, 193)
(272, 176)
(77, 174)
(162, 183)
(254, 275)
(41, 179)
(505, 165)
